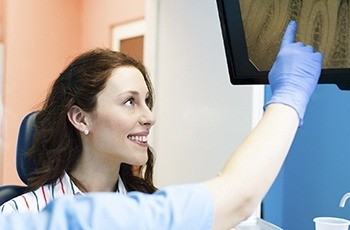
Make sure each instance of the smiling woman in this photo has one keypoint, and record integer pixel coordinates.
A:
(92, 132)
(119, 125)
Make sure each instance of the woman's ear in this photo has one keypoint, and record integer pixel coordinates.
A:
(78, 118)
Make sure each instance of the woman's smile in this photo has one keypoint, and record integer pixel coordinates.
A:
(139, 138)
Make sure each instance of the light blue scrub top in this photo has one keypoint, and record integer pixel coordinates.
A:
(177, 207)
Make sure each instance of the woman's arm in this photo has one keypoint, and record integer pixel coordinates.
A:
(251, 170)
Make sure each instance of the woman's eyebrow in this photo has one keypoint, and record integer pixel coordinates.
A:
(129, 92)
(133, 92)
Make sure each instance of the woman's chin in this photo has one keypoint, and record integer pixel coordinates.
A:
(139, 161)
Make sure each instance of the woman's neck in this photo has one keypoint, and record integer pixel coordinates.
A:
(95, 174)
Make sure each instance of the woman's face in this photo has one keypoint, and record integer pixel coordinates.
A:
(122, 121)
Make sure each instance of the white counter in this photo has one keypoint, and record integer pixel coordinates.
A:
(256, 224)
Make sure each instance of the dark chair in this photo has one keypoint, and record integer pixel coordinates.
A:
(25, 139)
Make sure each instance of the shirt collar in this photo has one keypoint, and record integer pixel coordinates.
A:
(68, 181)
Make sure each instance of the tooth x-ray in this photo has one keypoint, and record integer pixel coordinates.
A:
(252, 31)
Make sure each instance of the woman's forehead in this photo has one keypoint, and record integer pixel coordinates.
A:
(127, 79)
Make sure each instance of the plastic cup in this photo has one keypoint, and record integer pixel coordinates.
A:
(331, 223)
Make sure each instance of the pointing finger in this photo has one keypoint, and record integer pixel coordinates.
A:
(289, 35)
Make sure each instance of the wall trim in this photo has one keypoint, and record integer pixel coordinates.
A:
(127, 30)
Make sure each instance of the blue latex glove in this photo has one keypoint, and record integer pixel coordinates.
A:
(295, 73)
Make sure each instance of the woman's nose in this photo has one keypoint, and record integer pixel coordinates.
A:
(147, 117)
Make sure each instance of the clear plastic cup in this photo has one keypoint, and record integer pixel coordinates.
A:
(331, 223)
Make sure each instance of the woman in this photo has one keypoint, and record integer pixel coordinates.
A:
(92, 132)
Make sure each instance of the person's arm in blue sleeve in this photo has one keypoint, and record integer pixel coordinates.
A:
(253, 167)
(223, 201)
(175, 207)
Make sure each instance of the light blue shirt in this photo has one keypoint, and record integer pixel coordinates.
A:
(177, 207)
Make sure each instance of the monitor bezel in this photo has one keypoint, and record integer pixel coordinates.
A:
(241, 70)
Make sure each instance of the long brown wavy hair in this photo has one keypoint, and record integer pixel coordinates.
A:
(57, 144)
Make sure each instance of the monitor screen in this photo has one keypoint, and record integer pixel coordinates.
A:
(252, 31)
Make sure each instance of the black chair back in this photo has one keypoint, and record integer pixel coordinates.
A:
(25, 139)
(24, 143)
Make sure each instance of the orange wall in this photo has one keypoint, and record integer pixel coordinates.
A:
(2, 10)
(99, 16)
(41, 37)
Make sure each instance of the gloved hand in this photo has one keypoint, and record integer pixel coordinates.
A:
(295, 73)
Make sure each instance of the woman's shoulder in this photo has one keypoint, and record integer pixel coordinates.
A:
(36, 200)
(32, 201)
(16, 204)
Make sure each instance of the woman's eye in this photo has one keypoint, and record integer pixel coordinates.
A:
(129, 102)
(148, 101)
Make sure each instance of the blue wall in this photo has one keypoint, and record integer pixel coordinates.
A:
(316, 173)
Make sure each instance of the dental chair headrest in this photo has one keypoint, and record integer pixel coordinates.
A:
(24, 143)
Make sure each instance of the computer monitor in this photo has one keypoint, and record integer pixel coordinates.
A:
(252, 31)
